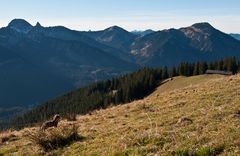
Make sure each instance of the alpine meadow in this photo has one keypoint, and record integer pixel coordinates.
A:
(120, 78)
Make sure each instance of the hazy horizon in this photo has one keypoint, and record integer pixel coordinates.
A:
(132, 15)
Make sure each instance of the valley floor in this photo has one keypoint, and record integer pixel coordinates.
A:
(199, 114)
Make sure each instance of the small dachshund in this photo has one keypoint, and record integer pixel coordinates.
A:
(51, 123)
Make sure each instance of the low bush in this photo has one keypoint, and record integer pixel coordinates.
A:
(55, 137)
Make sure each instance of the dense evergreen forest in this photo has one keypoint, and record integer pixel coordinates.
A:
(118, 90)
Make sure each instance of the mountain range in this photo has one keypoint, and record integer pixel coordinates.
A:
(39, 63)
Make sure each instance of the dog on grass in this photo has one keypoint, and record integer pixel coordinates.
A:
(51, 123)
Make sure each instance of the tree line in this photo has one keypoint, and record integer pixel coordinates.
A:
(119, 90)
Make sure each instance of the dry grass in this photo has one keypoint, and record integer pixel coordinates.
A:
(181, 82)
(199, 118)
(55, 138)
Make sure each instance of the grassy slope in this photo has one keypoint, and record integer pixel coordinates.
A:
(150, 126)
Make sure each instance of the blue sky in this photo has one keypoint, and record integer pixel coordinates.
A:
(129, 14)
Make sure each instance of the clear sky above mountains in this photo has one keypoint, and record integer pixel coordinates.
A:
(129, 14)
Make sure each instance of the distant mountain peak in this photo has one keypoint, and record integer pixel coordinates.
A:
(37, 29)
(197, 29)
(116, 28)
(20, 25)
(202, 25)
(38, 25)
(15, 22)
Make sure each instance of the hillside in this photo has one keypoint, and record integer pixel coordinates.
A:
(201, 41)
(119, 90)
(197, 114)
(40, 63)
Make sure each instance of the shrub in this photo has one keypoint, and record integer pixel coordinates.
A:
(55, 138)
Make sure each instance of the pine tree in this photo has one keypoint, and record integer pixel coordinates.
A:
(173, 72)
(165, 73)
(196, 69)
(181, 69)
(202, 68)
